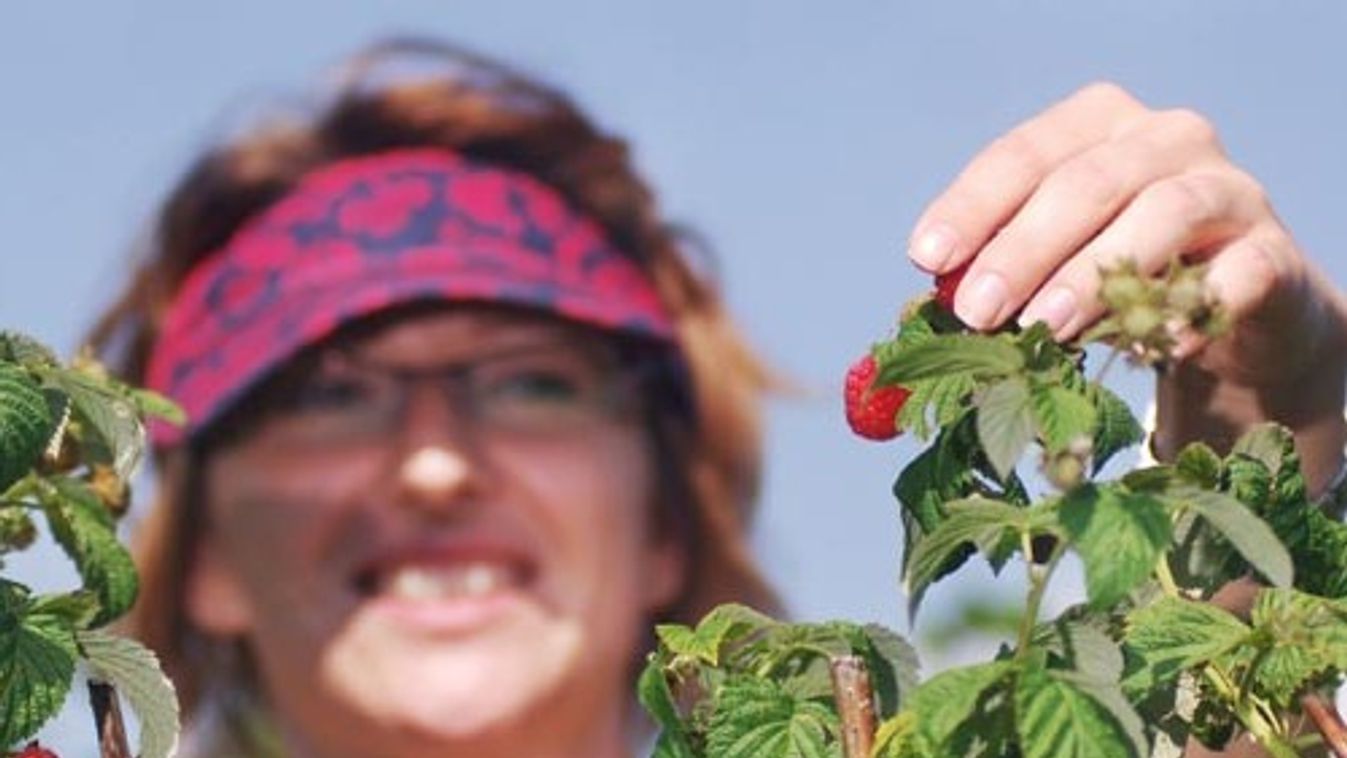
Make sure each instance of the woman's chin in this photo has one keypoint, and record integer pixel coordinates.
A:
(455, 687)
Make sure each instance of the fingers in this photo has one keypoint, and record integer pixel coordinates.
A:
(994, 185)
(1069, 208)
(1185, 215)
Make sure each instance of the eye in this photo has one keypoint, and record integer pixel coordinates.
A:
(326, 394)
(538, 385)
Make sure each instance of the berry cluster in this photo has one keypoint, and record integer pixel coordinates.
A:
(872, 411)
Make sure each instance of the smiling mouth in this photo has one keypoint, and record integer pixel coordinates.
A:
(443, 581)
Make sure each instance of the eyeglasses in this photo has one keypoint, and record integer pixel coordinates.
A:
(549, 391)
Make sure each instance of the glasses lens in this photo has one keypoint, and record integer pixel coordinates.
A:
(547, 391)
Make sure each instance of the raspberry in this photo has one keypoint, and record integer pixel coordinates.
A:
(871, 410)
(34, 751)
(947, 283)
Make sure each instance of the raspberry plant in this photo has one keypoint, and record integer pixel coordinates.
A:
(1147, 663)
(70, 439)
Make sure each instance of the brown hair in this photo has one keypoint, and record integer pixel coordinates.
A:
(445, 97)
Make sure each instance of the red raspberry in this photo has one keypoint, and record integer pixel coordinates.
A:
(35, 751)
(947, 283)
(871, 410)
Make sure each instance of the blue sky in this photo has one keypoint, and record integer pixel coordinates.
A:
(802, 138)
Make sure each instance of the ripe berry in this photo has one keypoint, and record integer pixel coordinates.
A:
(871, 410)
(34, 751)
(947, 283)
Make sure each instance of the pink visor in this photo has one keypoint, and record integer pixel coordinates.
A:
(365, 234)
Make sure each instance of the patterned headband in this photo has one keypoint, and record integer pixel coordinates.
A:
(365, 234)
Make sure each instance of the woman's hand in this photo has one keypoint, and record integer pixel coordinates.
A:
(1100, 177)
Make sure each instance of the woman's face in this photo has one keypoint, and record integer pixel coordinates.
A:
(415, 567)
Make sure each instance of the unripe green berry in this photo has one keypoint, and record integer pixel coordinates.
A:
(1123, 289)
(16, 529)
(1141, 321)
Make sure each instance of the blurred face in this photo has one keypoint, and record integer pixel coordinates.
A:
(439, 539)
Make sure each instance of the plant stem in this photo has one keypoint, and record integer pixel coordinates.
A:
(1263, 730)
(108, 720)
(1166, 577)
(1038, 584)
(1329, 723)
(855, 704)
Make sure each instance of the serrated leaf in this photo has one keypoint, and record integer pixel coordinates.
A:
(981, 356)
(758, 719)
(1249, 534)
(1268, 444)
(948, 704)
(976, 520)
(26, 424)
(893, 664)
(1115, 427)
(150, 403)
(135, 673)
(78, 608)
(945, 398)
(1062, 415)
(1308, 637)
(24, 350)
(1171, 635)
(1119, 536)
(83, 528)
(1056, 719)
(1005, 423)
(108, 413)
(37, 662)
(1199, 465)
(654, 694)
(897, 737)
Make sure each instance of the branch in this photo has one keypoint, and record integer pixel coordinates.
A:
(108, 719)
(1328, 722)
(855, 704)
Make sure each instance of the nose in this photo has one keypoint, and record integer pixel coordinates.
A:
(438, 461)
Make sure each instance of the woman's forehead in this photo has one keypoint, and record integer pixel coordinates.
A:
(433, 335)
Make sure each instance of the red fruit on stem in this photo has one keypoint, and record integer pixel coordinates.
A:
(871, 410)
(33, 750)
(947, 283)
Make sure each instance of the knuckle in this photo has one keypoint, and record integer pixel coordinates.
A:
(1105, 93)
(1015, 152)
(1190, 198)
(1091, 178)
(1190, 126)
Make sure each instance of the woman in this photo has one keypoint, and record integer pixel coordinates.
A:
(465, 420)
(456, 442)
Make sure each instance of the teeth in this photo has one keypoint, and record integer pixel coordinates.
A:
(426, 583)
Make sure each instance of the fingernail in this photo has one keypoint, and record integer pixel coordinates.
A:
(934, 246)
(1056, 309)
(979, 302)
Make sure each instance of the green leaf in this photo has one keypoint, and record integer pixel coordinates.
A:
(1199, 465)
(758, 719)
(893, 666)
(1268, 444)
(1062, 415)
(975, 520)
(107, 412)
(723, 624)
(652, 689)
(150, 403)
(25, 351)
(37, 662)
(1005, 423)
(1307, 638)
(897, 737)
(948, 701)
(1170, 635)
(78, 609)
(85, 530)
(1119, 536)
(1115, 426)
(1250, 535)
(26, 424)
(1056, 719)
(135, 673)
(945, 397)
(982, 356)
